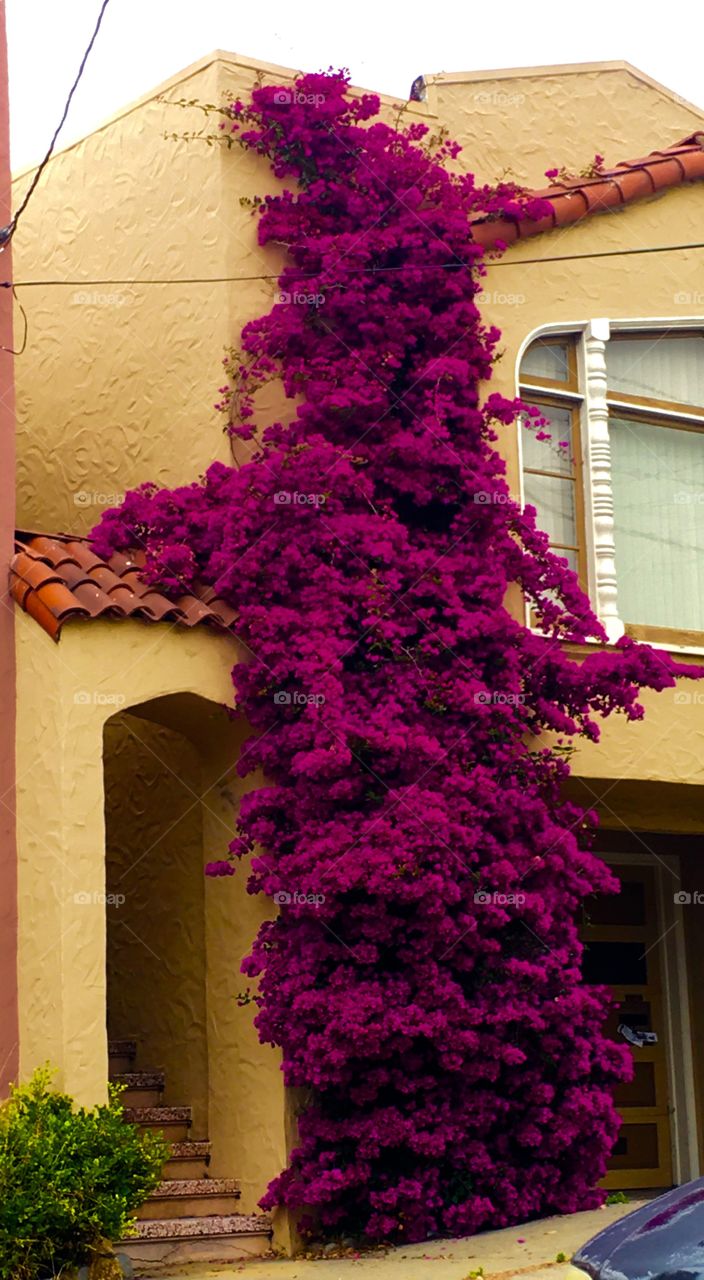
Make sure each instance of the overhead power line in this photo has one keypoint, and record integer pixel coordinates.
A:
(276, 275)
(6, 233)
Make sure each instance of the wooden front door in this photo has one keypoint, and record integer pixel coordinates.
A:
(623, 941)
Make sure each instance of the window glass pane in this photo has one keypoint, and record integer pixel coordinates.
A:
(658, 487)
(546, 360)
(553, 499)
(670, 369)
(622, 964)
(626, 907)
(636, 1148)
(634, 1010)
(641, 1090)
(546, 455)
(569, 556)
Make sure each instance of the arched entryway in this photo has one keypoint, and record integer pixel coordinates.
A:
(175, 939)
(155, 898)
(137, 789)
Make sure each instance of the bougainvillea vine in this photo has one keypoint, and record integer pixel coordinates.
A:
(422, 974)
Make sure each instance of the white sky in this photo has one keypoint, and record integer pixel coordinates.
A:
(385, 43)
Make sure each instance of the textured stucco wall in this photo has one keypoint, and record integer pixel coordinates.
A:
(169, 685)
(517, 124)
(640, 802)
(66, 693)
(526, 289)
(118, 381)
(667, 746)
(156, 936)
(247, 1132)
(523, 297)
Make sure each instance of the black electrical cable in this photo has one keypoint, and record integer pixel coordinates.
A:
(18, 351)
(304, 275)
(12, 350)
(6, 233)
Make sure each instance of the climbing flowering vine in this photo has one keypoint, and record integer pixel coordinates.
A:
(422, 973)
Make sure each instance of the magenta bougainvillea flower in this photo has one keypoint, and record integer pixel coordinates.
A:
(422, 976)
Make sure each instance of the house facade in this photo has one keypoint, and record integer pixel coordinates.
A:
(137, 266)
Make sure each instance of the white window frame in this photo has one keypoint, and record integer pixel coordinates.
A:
(602, 581)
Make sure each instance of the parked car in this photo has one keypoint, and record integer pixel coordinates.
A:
(662, 1240)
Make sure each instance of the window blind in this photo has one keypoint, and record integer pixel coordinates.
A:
(657, 476)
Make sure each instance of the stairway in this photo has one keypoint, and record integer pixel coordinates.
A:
(189, 1217)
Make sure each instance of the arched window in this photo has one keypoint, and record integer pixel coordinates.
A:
(552, 480)
(624, 502)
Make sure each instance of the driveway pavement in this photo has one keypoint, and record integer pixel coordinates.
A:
(518, 1253)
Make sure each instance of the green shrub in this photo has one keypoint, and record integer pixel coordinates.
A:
(67, 1178)
(617, 1197)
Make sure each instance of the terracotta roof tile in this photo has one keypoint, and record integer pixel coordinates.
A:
(55, 578)
(611, 189)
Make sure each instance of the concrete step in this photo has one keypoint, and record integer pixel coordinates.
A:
(173, 1122)
(187, 1160)
(141, 1088)
(223, 1238)
(191, 1198)
(121, 1055)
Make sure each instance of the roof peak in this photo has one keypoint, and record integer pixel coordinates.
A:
(559, 69)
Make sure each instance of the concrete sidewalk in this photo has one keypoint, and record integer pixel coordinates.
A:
(526, 1253)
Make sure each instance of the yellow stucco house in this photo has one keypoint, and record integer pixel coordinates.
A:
(137, 265)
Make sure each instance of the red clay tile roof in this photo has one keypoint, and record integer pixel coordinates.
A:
(55, 577)
(628, 181)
